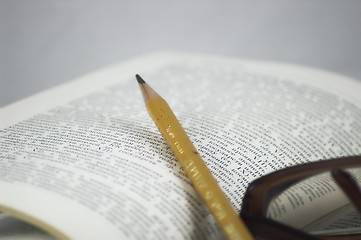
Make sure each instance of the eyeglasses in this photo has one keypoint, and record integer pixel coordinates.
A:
(317, 200)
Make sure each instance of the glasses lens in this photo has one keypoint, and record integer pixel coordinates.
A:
(319, 206)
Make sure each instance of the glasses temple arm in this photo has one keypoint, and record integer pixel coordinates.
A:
(349, 186)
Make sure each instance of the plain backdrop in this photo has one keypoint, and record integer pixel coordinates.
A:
(46, 42)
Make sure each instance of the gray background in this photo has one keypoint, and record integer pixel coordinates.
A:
(47, 42)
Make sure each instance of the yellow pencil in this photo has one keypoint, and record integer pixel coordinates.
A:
(193, 165)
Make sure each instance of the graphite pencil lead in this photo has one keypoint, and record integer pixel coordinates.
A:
(147, 91)
(139, 79)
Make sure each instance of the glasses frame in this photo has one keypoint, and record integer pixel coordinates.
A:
(263, 190)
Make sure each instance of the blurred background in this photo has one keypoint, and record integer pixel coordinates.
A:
(47, 42)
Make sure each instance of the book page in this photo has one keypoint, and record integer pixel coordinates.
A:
(346, 219)
(94, 157)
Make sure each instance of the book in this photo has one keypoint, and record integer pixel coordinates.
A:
(85, 161)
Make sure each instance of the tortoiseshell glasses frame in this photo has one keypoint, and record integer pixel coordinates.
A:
(263, 190)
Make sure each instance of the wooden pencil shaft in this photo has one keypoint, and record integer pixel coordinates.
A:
(195, 168)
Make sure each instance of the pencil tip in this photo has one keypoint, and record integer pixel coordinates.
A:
(139, 79)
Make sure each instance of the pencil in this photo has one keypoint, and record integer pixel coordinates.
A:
(193, 164)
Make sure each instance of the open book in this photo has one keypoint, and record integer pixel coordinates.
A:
(85, 161)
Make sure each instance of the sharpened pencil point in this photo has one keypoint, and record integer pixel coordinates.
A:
(139, 79)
